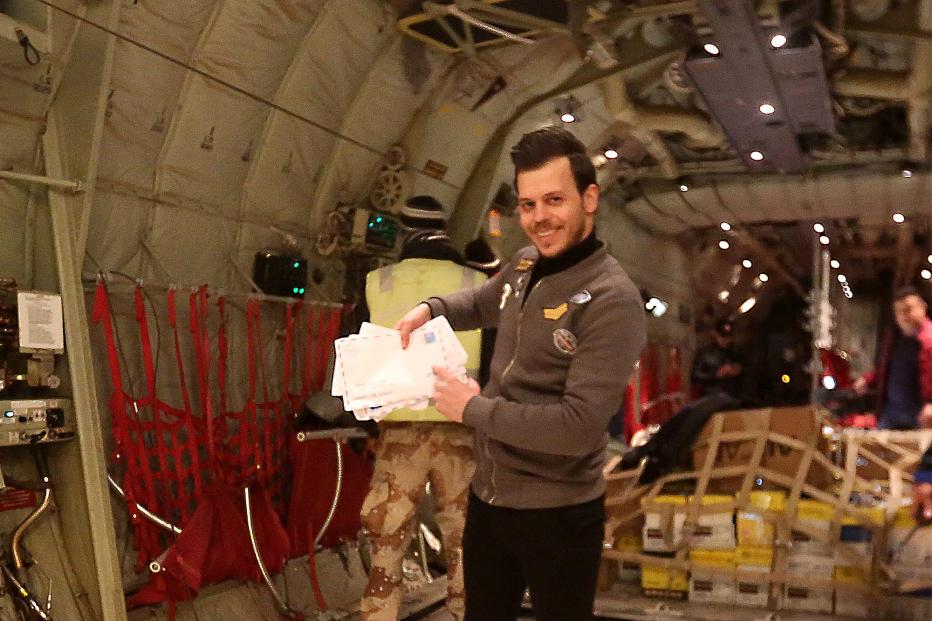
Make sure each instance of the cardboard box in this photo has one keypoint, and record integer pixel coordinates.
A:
(801, 423)
(663, 524)
(714, 531)
(918, 551)
(657, 581)
(707, 583)
(810, 566)
(855, 546)
(752, 592)
(850, 602)
(753, 529)
(854, 604)
(628, 571)
(757, 557)
(804, 598)
(753, 566)
(817, 516)
(880, 443)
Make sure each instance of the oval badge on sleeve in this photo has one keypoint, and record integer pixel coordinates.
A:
(583, 297)
(565, 341)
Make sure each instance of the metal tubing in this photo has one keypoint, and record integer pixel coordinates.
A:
(336, 494)
(282, 606)
(145, 512)
(21, 530)
(64, 184)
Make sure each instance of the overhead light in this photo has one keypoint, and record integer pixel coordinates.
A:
(747, 263)
(785, 378)
(828, 382)
(725, 226)
(757, 156)
(599, 160)
(778, 40)
(848, 294)
(835, 264)
(823, 239)
(818, 228)
(926, 274)
(566, 108)
(684, 187)
(712, 49)
(899, 218)
(929, 258)
(842, 278)
(723, 296)
(763, 277)
(767, 109)
(907, 173)
(747, 305)
(723, 244)
(611, 153)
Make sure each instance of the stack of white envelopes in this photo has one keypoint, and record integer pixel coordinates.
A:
(375, 376)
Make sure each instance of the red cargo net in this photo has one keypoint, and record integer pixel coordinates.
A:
(177, 461)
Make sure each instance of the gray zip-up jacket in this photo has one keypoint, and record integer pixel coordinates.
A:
(562, 360)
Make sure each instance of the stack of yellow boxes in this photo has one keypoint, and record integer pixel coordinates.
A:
(810, 558)
(663, 531)
(712, 553)
(853, 558)
(754, 554)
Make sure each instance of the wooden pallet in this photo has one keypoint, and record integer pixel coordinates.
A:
(627, 500)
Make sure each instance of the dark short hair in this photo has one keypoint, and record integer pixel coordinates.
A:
(904, 292)
(538, 147)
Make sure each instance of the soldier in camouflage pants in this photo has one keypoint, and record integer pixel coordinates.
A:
(409, 455)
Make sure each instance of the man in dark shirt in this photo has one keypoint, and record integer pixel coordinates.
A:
(904, 378)
(717, 367)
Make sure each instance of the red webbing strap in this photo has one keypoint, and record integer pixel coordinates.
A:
(192, 440)
(267, 410)
(198, 325)
(308, 351)
(251, 457)
(222, 353)
(324, 344)
(281, 412)
(230, 448)
(154, 409)
(312, 568)
(289, 343)
(146, 538)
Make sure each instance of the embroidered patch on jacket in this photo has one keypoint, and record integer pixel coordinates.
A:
(555, 313)
(583, 297)
(565, 341)
(524, 265)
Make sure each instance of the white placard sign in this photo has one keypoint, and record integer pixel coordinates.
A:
(40, 321)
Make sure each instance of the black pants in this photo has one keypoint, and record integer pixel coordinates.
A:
(553, 552)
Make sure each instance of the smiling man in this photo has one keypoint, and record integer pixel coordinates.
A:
(571, 325)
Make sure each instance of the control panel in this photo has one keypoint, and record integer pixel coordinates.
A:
(35, 421)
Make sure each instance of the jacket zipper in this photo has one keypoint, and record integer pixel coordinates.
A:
(504, 374)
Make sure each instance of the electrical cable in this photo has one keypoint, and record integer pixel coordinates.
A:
(239, 90)
(30, 53)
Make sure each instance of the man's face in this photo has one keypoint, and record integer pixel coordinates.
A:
(553, 213)
(909, 313)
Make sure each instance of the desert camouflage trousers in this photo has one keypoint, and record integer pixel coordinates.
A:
(409, 455)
